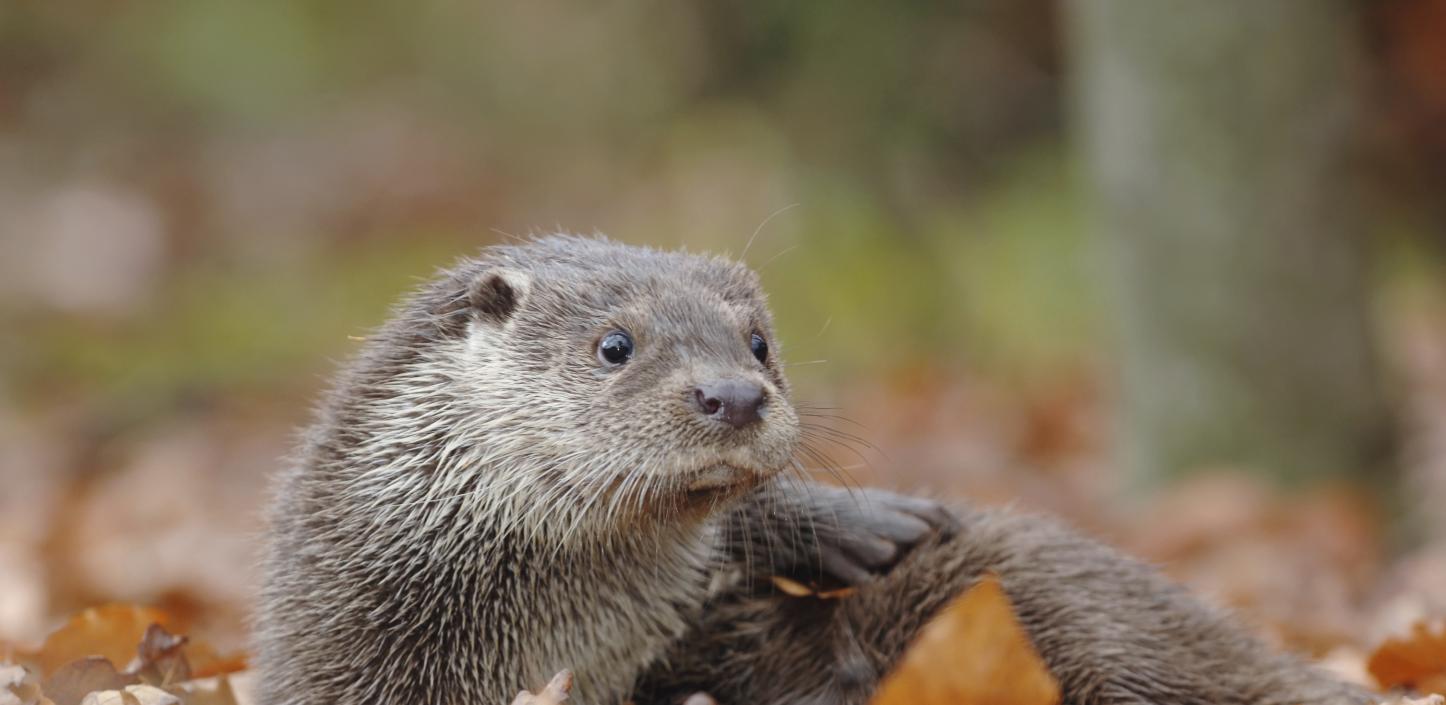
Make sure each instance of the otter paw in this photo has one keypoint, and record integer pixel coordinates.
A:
(874, 529)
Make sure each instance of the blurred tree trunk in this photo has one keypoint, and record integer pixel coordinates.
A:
(1217, 138)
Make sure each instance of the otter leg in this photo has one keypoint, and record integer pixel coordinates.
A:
(828, 536)
(1111, 630)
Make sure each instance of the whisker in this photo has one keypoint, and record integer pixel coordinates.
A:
(771, 260)
(832, 417)
(827, 464)
(760, 227)
(853, 444)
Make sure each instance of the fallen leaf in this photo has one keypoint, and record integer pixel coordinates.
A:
(790, 587)
(793, 588)
(111, 631)
(973, 653)
(160, 659)
(206, 662)
(71, 683)
(1417, 661)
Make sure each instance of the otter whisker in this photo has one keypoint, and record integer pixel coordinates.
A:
(774, 258)
(826, 463)
(812, 435)
(844, 437)
(746, 246)
(814, 414)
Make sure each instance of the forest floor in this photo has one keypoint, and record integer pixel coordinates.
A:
(112, 544)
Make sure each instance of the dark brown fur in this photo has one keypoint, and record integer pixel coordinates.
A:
(1111, 629)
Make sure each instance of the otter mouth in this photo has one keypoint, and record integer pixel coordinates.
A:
(721, 480)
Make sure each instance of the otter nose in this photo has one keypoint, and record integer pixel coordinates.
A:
(734, 401)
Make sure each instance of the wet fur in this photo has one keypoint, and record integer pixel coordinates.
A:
(478, 506)
(1111, 629)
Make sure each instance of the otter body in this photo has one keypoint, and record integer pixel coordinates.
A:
(574, 454)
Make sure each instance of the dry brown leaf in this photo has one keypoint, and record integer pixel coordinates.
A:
(72, 682)
(790, 587)
(111, 631)
(206, 662)
(1417, 661)
(555, 692)
(793, 588)
(973, 653)
(159, 658)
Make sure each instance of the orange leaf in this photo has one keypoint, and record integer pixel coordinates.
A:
(1417, 661)
(973, 653)
(207, 662)
(111, 631)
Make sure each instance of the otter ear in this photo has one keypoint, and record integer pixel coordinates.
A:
(492, 296)
(497, 293)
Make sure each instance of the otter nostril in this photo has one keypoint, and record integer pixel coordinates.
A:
(708, 404)
(734, 401)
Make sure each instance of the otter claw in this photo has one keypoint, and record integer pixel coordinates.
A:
(876, 531)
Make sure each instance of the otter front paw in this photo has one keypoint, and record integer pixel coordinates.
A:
(866, 532)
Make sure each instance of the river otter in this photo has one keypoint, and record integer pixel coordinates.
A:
(576, 454)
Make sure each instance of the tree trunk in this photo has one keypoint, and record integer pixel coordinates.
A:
(1217, 137)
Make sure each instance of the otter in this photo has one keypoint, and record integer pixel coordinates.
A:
(574, 454)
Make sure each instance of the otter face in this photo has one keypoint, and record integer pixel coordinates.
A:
(633, 379)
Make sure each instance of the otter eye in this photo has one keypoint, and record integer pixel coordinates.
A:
(615, 348)
(759, 347)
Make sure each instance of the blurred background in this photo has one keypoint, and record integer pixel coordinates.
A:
(1173, 270)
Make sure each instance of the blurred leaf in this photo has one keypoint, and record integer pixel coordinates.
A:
(207, 662)
(109, 631)
(973, 653)
(208, 691)
(75, 681)
(1417, 661)
(160, 659)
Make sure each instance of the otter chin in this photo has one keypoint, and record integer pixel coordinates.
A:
(724, 476)
(722, 482)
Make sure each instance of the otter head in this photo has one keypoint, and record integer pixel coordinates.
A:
(614, 381)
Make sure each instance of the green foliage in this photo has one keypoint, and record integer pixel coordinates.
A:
(223, 329)
(1001, 283)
